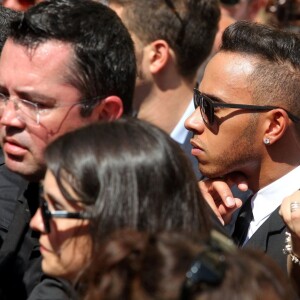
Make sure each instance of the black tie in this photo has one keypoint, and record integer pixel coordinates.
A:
(242, 223)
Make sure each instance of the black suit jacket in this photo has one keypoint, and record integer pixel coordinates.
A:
(20, 260)
(19, 269)
(270, 238)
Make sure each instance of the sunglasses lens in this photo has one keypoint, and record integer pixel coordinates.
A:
(207, 111)
(45, 215)
(230, 2)
(196, 99)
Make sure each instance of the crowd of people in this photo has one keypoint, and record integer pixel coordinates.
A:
(149, 150)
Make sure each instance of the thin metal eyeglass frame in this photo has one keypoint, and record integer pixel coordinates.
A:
(199, 99)
(4, 99)
(47, 215)
(172, 7)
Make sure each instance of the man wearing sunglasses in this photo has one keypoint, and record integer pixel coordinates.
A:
(61, 68)
(247, 125)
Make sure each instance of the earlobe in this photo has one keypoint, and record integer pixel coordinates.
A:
(159, 55)
(109, 109)
(277, 125)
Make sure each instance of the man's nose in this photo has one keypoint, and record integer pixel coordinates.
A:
(9, 115)
(195, 122)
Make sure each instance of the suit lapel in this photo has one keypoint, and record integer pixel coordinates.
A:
(273, 225)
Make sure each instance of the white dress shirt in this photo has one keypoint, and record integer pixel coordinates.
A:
(180, 133)
(266, 200)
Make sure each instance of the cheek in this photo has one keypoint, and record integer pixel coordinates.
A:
(70, 252)
(74, 256)
(63, 121)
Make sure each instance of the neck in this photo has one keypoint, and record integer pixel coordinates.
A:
(166, 102)
(279, 159)
(266, 178)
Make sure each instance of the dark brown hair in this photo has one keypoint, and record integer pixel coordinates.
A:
(188, 26)
(139, 266)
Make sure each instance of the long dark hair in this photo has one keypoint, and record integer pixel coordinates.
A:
(131, 174)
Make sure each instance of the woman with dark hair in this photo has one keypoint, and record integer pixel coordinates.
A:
(135, 265)
(108, 176)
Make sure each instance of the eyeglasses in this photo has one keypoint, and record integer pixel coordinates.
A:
(32, 111)
(230, 2)
(171, 5)
(47, 215)
(181, 32)
(207, 108)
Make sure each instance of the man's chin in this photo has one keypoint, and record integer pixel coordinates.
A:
(210, 173)
(19, 166)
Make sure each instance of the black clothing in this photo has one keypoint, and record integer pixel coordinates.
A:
(270, 238)
(242, 223)
(20, 259)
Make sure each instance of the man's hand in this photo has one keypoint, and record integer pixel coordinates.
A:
(218, 195)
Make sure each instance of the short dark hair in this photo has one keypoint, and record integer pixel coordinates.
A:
(276, 54)
(189, 27)
(129, 173)
(6, 17)
(104, 60)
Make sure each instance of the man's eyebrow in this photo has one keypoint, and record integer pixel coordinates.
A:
(2, 88)
(214, 98)
(34, 95)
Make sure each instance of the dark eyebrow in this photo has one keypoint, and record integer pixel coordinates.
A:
(214, 98)
(36, 95)
(51, 198)
(3, 89)
(32, 95)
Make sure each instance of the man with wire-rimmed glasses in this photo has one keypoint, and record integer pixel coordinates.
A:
(62, 67)
(246, 127)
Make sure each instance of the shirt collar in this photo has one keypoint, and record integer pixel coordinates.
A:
(266, 200)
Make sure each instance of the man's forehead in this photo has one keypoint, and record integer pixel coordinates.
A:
(229, 66)
(47, 59)
(227, 73)
(43, 72)
(54, 49)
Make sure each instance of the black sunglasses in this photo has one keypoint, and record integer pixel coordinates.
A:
(207, 108)
(230, 2)
(47, 215)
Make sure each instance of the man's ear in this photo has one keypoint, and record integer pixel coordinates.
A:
(159, 54)
(108, 109)
(276, 124)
